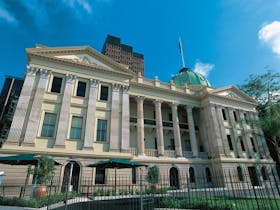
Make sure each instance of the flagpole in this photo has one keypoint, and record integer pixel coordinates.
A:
(181, 52)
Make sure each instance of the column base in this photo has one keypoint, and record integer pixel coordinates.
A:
(141, 155)
(88, 148)
(27, 144)
(125, 151)
(59, 146)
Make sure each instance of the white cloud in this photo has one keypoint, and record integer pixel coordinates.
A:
(270, 35)
(203, 68)
(6, 15)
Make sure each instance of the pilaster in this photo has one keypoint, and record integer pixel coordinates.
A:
(125, 119)
(115, 118)
(223, 131)
(91, 115)
(17, 127)
(235, 139)
(63, 122)
(36, 109)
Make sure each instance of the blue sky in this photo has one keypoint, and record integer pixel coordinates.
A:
(226, 40)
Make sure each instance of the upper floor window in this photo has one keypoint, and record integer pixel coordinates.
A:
(224, 114)
(242, 143)
(264, 173)
(81, 89)
(76, 128)
(56, 85)
(235, 116)
(101, 133)
(48, 125)
(253, 144)
(104, 93)
(229, 142)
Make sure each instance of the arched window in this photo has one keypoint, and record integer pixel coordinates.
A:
(264, 173)
(240, 174)
(208, 175)
(192, 175)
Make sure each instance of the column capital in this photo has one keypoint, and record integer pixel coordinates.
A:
(189, 107)
(140, 99)
(125, 88)
(44, 73)
(157, 102)
(31, 71)
(70, 78)
(174, 105)
(93, 83)
(116, 87)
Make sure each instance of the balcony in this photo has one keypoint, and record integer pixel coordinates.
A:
(151, 152)
(170, 153)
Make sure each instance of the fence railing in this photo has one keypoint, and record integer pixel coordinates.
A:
(213, 190)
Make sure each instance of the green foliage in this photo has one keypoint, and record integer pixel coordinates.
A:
(153, 175)
(219, 203)
(45, 170)
(36, 203)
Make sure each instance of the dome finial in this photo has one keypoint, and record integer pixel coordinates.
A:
(181, 52)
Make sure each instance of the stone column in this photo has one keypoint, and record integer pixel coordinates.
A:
(36, 109)
(246, 136)
(263, 148)
(215, 132)
(115, 119)
(125, 120)
(203, 130)
(192, 131)
(140, 126)
(223, 131)
(91, 115)
(235, 139)
(176, 130)
(21, 113)
(63, 122)
(159, 127)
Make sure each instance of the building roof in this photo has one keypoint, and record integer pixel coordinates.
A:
(188, 77)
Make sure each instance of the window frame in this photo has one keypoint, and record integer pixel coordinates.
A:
(97, 131)
(100, 93)
(54, 126)
(77, 88)
(71, 126)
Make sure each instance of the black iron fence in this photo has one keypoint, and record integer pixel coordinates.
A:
(212, 190)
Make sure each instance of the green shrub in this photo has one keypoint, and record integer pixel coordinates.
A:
(36, 203)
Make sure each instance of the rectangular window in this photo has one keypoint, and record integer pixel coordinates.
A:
(104, 92)
(100, 176)
(224, 114)
(81, 89)
(253, 145)
(56, 85)
(172, 144)
(101, 134)
(242, 143)
(229, 142)
(170, 117)
(155, 143)
(245, 117)
(76, 128)
(48, 125)
(235, 116)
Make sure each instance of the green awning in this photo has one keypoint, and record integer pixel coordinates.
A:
(116, 163)
(23, 159)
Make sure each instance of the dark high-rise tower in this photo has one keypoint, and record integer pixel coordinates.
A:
(8, 102)
(123, 53)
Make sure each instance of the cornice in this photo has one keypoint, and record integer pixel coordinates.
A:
(80, 49)
(75, 64)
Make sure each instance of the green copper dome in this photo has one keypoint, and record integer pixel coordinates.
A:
(188, 77)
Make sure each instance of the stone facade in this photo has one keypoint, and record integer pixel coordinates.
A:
(76, 104)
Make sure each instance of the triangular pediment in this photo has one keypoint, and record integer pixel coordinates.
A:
(83, 55)
(233, 93)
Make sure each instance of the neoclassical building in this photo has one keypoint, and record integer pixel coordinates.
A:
(78, 105)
